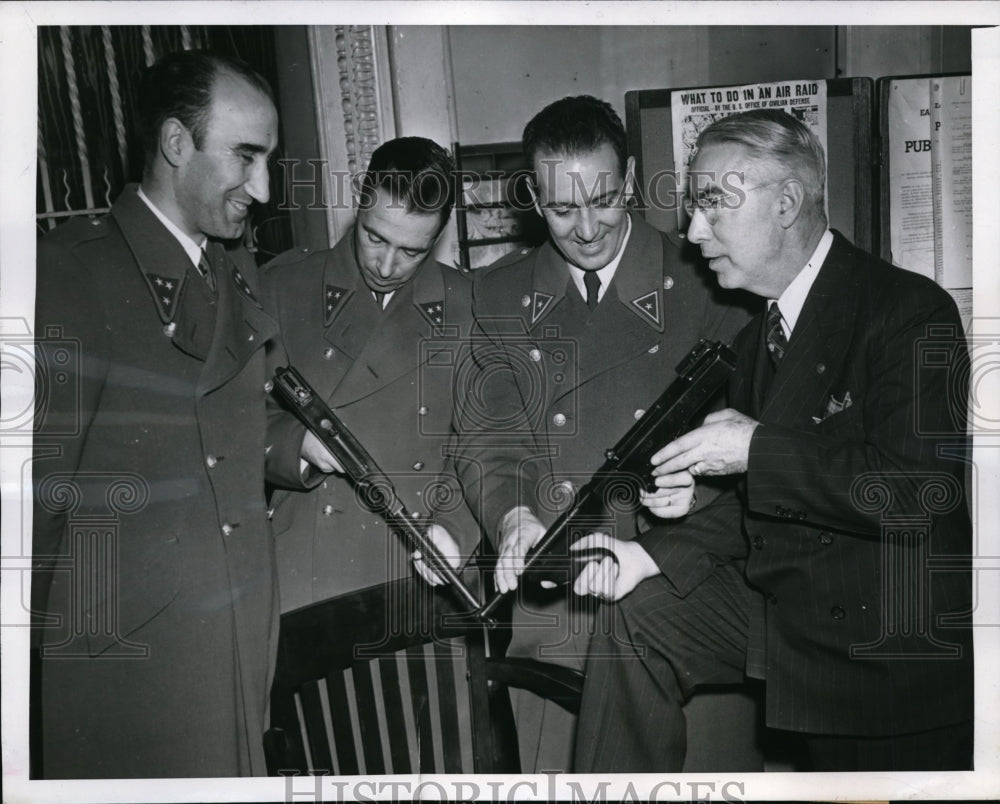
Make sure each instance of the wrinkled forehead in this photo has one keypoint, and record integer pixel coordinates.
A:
(721, 167)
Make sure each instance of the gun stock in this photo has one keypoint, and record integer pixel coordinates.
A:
(700, 375)
(376, 488)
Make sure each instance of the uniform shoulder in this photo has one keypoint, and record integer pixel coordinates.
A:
(75, 232)
(292, 257)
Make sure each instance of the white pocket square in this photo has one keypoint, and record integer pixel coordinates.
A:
(834, 406)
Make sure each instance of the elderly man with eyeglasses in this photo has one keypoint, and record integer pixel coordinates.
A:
(849, 446)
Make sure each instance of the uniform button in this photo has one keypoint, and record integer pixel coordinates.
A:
(758, 542)
(525, 301)
(565, 487)
(639, 413)
(772, 598)
(170, 329)
(268, 386)
(304, 249)
(270, 513)
(211, 460)
(327, 510)
(820, 368)
(535, 355)
(825, 537)
(418, 466)
(95, 222)
(328, 353)
(668, 282)
(654, 349)
(838, 613)
(559, 420)
(422, 410)
(226, 528)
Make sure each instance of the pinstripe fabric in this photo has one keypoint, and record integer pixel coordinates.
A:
(841, 528)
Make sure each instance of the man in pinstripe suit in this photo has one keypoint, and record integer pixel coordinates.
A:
(847, 428)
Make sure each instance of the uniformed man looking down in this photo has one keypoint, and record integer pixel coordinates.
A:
(575, 340)
(155, 583)
(367, 323)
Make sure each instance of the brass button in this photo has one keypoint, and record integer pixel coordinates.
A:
(270, 513)
(327, 510)
(226, 529)
(559, 420)
(328, 353)
(422, 410)
(525, 301)
(654, 349)
(535, 355)
(418, 466)
(820, 368)
(638, 414)
(268, 386)
(170, 329)
(250, 337)
(668, 282)
(211, 460)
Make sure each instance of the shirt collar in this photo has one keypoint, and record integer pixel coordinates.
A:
(605, 274)
(794, 297)
(192, 249)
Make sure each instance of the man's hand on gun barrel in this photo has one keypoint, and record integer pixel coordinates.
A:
(444, 542)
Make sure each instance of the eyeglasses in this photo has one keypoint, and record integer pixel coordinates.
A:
(711, 204)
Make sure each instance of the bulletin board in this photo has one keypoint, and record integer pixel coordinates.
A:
(852, 170)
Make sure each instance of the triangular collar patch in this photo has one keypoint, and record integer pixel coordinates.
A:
(433, 311)
(242, 286)
(333, 298)
(540, 304)
(648, 306)
(166, 292)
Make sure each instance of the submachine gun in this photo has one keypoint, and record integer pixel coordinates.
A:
(376, 488)
(700, 375)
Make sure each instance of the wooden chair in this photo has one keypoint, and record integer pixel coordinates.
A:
(386, 680)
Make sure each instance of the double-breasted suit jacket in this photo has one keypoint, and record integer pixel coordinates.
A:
(575, 381)
(855, 510)
(389, 376)
(155, 566)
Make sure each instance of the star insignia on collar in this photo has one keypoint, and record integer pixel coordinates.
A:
(648, 306)
(242, 286)
(165, 293)
(539, 304)
(433, 311)
(333, 297)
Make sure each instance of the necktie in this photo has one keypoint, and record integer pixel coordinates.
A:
(205, 267)
(379, 297)
(775, 338)
(593, 284)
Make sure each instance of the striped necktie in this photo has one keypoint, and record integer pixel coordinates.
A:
(775, 338)
(205, 267)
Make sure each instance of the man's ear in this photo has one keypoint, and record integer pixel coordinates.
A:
(790, 202)
(176, 142)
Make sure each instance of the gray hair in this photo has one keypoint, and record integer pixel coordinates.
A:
(776, 137)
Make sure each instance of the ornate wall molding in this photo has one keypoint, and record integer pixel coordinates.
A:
(352, 79)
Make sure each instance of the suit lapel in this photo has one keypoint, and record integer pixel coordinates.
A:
(818, 344)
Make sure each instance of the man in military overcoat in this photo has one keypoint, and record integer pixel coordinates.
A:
(376, 326)
(154, 588)
(575, 340)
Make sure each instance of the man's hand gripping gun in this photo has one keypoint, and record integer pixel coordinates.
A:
(376, 488)
(701, 374)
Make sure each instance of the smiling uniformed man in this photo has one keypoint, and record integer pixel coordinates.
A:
(374, 324)
(578, 338)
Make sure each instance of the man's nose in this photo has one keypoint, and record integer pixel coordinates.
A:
(586, 225)
(698, 230)
(258, 186)
(384, 264)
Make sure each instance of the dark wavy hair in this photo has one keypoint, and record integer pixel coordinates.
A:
(574, 125)
(417, 173)
(179, 85)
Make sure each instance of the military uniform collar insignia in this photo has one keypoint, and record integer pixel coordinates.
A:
(243, 287)
(539, 304)
(166, 292)
(334, 297)
(433, 312)
(648, 307)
